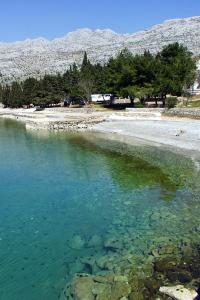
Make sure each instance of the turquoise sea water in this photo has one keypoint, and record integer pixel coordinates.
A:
(57, 187)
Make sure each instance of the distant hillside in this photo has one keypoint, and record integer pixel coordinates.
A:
(36, 57)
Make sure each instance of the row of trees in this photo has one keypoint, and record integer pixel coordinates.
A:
(143, 76)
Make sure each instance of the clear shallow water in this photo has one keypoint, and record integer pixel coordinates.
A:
(56, 187)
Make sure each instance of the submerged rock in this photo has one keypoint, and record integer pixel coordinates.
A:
(187, 251)
(83, 288)
(77, 242)
(108, 278)
(113, 244)
(136, 296)
(108, 287)
(89, 264)
(168, 249)
(102, 291)
(75, 267)
(120, 290)
(95, 241)
(165, 265)
(181, 276)
(179, 292)
(102, 262)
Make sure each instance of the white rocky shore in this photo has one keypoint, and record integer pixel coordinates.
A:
(146, 124)
(53, 118)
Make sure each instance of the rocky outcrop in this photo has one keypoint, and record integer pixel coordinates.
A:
(179, 292)
(36, 57)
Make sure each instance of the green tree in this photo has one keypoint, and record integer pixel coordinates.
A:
(120, 73)
(6, 96)
(178, 69)
(16, 95)
(71, 86)
(50, 90)
(100, 79)
(145, 69)
(1, 93)
(87, 78)
(30, 89)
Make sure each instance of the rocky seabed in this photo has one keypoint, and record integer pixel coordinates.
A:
(147, 259)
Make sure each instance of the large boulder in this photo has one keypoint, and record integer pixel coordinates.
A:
(178, 292)
(113, 244)
(95, 241)
(77, 242)
(88, 287)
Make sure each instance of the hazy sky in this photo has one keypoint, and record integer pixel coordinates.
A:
(21, 19)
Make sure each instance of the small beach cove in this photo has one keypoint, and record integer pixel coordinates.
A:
(85, 203)
(151, 125)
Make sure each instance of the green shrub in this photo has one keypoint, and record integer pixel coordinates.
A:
(171, 102)
(139, 105)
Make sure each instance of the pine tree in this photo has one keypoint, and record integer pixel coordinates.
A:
(6, 96)
(87, 78)
(178, 69)
(30, 89)
(85, 64)
(16, 95)
(1, 93)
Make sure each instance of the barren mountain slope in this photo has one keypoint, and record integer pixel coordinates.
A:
(36, 57)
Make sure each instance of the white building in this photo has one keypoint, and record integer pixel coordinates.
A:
(195, 88)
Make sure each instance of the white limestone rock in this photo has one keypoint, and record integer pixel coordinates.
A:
(178, 292)
(36, 57)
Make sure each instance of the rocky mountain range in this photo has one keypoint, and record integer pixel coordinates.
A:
(37, 57)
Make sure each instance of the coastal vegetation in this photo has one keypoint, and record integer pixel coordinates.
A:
(144, 76)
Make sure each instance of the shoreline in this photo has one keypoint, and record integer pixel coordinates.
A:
(182, 135)
(146, 125)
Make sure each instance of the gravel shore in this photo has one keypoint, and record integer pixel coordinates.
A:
(150, 125)
(181, 133)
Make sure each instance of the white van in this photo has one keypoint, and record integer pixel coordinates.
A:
(101, 97)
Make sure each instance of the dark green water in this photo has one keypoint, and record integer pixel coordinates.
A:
(58, 188)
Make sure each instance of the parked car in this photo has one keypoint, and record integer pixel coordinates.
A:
(39, 108)
(73, 101)
(101, 98)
